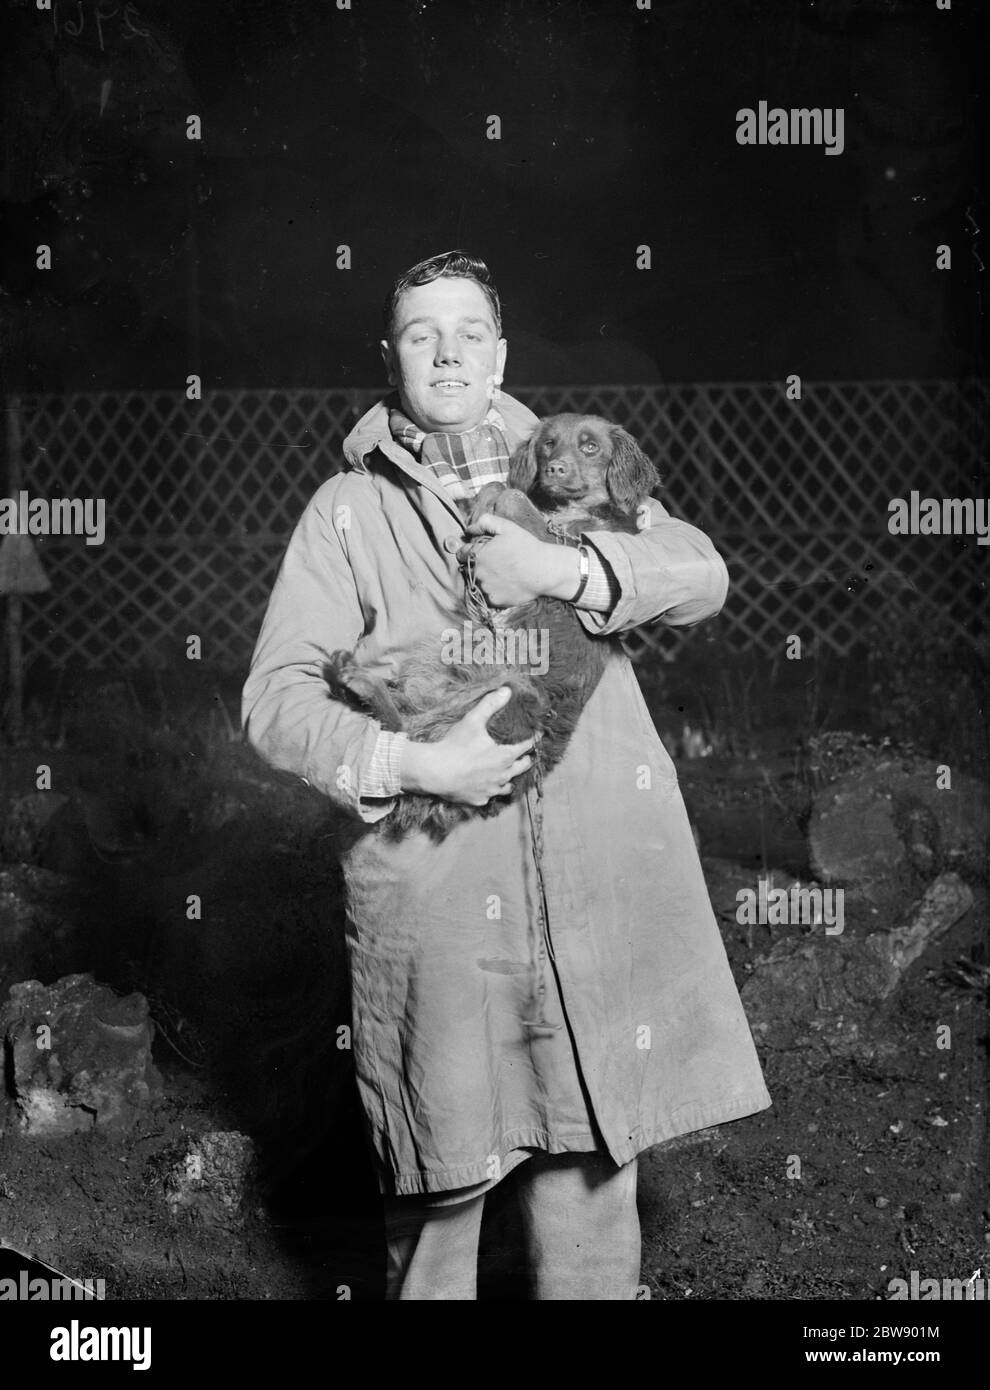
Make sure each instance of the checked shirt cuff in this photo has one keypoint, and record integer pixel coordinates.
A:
(602, 588)
(381, 778)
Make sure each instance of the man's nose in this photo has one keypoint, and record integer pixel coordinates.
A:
(448, 350)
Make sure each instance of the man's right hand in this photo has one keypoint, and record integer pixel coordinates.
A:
(466, 765)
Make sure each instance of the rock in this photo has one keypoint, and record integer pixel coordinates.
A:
(884, 828)
(945, 901)
(854, 841)
(210, 1179)
(22, 839)
(36, 922)
(832, 986)
(78, 1056)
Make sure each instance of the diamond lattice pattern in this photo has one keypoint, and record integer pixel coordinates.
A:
(202, 496)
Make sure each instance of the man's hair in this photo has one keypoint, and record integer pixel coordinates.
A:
(456, 265)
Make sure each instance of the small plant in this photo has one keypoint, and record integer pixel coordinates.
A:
(928, 680)
(836, 752)
(967, 977)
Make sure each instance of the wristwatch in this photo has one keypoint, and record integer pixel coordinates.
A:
(584, 560)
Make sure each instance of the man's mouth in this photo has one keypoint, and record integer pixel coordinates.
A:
(450, 385)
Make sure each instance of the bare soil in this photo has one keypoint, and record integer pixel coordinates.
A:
(862, 1171)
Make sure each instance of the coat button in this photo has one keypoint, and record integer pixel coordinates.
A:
(451, 543)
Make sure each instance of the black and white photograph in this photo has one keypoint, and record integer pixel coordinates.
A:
(494, 747)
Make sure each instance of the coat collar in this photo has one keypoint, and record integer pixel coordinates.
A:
(372, 432)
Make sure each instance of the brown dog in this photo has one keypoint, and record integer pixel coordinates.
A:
(577, 473)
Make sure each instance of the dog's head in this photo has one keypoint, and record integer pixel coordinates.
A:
(583, 460)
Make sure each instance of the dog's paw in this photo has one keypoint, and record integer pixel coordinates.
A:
(337, 671)
(352, 682)
(515, 506)
(486, 501)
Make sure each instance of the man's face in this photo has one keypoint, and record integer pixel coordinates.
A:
(446, 357)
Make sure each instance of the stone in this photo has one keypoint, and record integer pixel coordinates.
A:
(889, 827)
(78, 1057)
(209, 1181)
(944, 902)
(832, 986)
(854, 841)
(22, 839)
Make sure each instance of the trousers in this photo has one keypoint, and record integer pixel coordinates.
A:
(580, 1224)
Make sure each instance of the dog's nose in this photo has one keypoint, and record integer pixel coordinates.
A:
(556, 468)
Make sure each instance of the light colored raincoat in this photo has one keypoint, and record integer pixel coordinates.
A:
(652, 1041)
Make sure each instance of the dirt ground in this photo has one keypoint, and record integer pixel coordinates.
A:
(893, 1171)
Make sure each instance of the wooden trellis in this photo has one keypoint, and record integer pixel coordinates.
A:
(201, 498)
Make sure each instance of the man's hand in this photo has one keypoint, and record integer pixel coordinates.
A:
(466, 765)
(514, 567)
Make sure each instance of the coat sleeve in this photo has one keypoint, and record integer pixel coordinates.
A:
(670, 573)
(288, 713)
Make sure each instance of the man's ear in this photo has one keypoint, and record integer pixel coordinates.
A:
(501, 349)
(389, 361)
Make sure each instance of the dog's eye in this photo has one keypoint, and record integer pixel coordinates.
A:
(590, 447)
(547, 445)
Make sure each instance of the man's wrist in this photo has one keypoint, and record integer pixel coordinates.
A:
(414, 761)
(380, 779)
(563, 572)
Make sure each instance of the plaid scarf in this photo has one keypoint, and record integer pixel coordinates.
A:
(464, 463)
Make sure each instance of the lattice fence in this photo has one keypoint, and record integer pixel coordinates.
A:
(202, 497)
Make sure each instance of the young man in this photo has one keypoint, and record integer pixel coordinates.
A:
(648, 1037)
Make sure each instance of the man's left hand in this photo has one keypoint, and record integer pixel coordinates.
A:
(514, 567)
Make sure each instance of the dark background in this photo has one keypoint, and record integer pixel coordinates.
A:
(367, 127)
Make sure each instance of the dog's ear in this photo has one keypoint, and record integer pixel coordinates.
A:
(630, 476)
(522, 464)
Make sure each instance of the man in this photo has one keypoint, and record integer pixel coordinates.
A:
(646, 1037)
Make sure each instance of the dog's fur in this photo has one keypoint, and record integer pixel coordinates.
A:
(581, 473)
